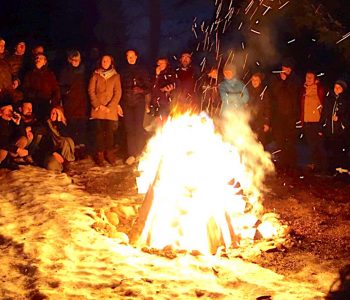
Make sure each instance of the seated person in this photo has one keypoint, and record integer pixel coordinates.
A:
(29, 122)
(12, 143)
(56, 149)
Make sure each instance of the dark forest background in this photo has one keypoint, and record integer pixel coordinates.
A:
(163, 27)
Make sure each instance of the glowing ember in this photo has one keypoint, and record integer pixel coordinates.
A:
(203, 188)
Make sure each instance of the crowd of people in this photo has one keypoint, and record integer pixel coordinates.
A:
(50, 120)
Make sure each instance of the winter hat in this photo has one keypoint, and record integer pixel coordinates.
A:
(342, 83)
(288, 63)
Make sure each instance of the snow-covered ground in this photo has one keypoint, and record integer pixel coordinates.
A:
(49, 249)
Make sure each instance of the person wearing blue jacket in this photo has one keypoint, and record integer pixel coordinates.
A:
(233, 93)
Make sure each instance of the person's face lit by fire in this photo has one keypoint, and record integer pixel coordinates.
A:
(6, 112)
(20, 48)
(131, 57)
(185, 60)
(27, 109)
(40, 61)
(256, 81)
(2, 46)
(161, 65)
(106, 62)
(338, 89)
(74, 61)
(286, 71)
(229, 73)
(310, 79)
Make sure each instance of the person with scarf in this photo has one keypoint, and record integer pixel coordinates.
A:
(105, 93)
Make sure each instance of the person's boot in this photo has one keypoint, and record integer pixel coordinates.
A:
(99, 158)
(110, 157)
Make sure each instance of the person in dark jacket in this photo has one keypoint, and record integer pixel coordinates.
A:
(136, 87)
(259, 107)
(285, 104)
(8, 83)
(185, 89)
(163, 84)
(11, 142)
(335, 125)
(56, 149)
(18, 61)
(31, 123)
(41, 87)
(73, 84)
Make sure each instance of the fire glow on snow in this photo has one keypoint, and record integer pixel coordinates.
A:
(205, 186)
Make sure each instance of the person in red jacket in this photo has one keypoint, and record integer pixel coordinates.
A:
(41, 87)
(312, 100)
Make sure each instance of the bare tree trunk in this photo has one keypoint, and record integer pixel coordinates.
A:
(155, 28)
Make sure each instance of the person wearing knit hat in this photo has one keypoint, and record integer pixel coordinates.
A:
(335, 126)
(342, 83)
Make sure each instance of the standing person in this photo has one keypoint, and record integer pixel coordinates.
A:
(3, 51)
(233, 93)
(41, 87)
(8, 83)
(73, 84)
(311, 107)
(210, 101)
(105, 92)
(186, 81)
(259, 106)
(163, 85)
(17, 60)
(335, 121)
(136, 86)
(285, 102)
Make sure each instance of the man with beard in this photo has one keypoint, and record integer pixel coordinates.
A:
(30, 123)
(186, 81)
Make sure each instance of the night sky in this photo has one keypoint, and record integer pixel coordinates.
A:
(153, 27)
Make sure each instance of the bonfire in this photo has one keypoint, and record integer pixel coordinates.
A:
(203, 185)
